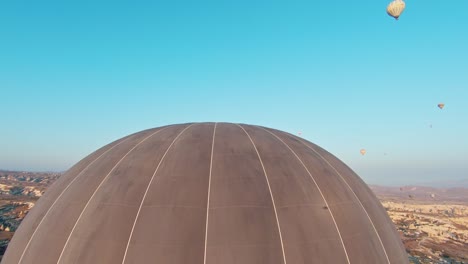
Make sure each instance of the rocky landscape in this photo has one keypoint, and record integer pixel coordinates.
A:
(19, 192)
(432, 222)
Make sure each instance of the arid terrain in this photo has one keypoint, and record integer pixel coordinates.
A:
(19, 192)
(433, 223)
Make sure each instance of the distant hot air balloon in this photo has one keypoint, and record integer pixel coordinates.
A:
(432, 195)
(401, 188)
(395, 8)
(363, 151)
(441, 105)
(410, 196)
(299, 133)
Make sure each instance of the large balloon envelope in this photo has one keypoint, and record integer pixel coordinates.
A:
(208, 193)
(441, 105)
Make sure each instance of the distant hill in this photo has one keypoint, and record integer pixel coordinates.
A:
(422, 193)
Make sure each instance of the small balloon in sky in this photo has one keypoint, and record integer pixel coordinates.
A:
(432, 195)
(363, 152)
(299, 133)
(441, 105)
(395, 8)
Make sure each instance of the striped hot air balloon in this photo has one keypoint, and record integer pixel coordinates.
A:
(395, 8)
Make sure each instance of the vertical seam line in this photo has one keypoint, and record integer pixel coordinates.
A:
(360, 203)
(99, 186)
(64, 190)
(209, 192)
(146, 192)
(271, 193)
(316, 184)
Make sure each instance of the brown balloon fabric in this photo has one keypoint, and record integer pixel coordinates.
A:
(214, 193)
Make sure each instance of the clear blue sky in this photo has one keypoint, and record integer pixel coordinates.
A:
(75, 75)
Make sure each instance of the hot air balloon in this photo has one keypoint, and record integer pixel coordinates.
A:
(363, 151)
(441, 105)
(395, 8)
(432, 195)
(299, 133)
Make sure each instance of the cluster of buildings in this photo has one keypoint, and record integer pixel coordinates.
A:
(433, 231)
